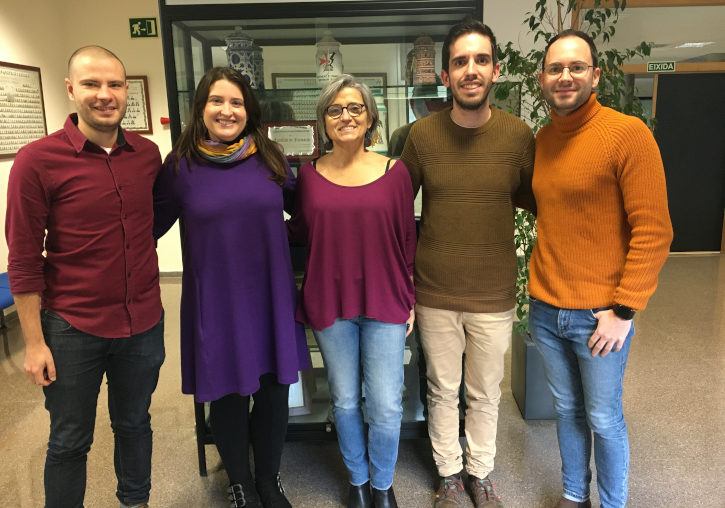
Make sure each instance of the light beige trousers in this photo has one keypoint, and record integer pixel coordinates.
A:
(484, 337)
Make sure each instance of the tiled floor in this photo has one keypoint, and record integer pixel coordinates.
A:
(674, 403)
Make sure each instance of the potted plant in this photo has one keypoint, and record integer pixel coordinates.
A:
(520, 71)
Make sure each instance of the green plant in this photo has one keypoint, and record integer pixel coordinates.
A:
(520, 71)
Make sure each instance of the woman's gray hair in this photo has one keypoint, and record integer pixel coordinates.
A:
(327, 96)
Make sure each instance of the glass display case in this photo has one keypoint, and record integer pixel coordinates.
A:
(375, 39)
(386, 44)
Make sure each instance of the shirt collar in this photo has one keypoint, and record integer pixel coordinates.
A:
(78, 139)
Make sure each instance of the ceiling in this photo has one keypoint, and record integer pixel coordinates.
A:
(670, 27)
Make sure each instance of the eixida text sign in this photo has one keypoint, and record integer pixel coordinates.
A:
(660, 66)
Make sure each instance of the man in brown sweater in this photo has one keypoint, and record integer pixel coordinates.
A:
(603, 234)
(474, 164)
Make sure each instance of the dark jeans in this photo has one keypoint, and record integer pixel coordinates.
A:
(131, 366)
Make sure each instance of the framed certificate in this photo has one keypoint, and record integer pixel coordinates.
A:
(22, 112)
(138, 110)
(298, 139)
(302, 80)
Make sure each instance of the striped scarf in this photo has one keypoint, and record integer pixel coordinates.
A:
(221, 153)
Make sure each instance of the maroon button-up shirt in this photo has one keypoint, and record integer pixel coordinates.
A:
(99, 270)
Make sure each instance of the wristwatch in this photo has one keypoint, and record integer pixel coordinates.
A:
(623, 312)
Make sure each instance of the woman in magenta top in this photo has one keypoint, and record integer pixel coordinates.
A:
(355, 213)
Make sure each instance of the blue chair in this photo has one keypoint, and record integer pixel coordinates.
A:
(6, 298)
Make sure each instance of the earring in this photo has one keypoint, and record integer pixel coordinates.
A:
(371, 138)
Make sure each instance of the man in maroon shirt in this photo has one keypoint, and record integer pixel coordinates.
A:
(84, 274)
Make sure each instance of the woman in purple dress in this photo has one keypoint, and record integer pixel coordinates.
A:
(355, 213)
(229, 183)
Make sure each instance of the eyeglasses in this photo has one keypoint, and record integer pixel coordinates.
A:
(575, 69)
(353, 109)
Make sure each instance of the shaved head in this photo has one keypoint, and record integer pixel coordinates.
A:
(97, 84)
(97, 51)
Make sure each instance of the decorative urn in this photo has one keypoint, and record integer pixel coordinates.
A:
(240, 54)
(424, 73)
(328, 58)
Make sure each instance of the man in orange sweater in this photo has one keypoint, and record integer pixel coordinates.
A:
(603, 234)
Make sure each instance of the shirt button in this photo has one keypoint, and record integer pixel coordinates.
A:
(129, 275)
(129, 301)
(128, 245)
(120, 187)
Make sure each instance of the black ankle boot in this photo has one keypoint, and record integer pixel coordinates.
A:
(244, 495)
(384, 498)
(360, 496)
(271, 493)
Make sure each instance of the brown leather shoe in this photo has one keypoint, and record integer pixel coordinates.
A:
(451, 493)
(483, 492)
(568, 503)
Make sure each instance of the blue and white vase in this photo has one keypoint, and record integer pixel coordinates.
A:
(240, 55)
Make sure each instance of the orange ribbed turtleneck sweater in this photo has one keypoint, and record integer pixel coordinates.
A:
(603, 224)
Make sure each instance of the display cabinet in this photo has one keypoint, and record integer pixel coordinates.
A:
(375, 37)
(376, 41)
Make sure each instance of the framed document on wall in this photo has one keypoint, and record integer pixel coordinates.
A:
(298, 139)
(22, 112)
(138, 110)
(299, 80)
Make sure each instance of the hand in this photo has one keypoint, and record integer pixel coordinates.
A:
(39, 364)
(610, 334)
(409, 322)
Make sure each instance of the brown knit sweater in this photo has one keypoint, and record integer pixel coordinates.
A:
(603, 224)
(471, 180)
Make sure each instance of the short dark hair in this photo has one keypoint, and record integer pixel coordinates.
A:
(465, 27)
(196, 131)
(573, 33)
(98, 50)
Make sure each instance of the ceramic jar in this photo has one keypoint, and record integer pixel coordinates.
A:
(328, 58)
(240, 55)
(424, 66)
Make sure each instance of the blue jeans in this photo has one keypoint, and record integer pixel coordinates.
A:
(131, 365)
(363, 348)
(587, 394)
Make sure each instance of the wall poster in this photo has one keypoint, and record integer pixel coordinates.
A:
(138, 110)
(22, 112)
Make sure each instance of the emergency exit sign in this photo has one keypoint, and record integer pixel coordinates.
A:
(660, 66)
(143, 27)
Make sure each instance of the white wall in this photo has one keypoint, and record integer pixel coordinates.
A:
(506, 21)
(25, 40)
(43, 33)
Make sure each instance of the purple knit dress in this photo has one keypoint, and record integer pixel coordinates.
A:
(238, 294)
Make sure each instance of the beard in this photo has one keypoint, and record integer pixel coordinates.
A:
(472, 104)
(566, 106)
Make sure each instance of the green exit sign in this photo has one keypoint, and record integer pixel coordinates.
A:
(143, 27)
(660, 66)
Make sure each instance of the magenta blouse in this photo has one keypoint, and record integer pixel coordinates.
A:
(361, 247)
